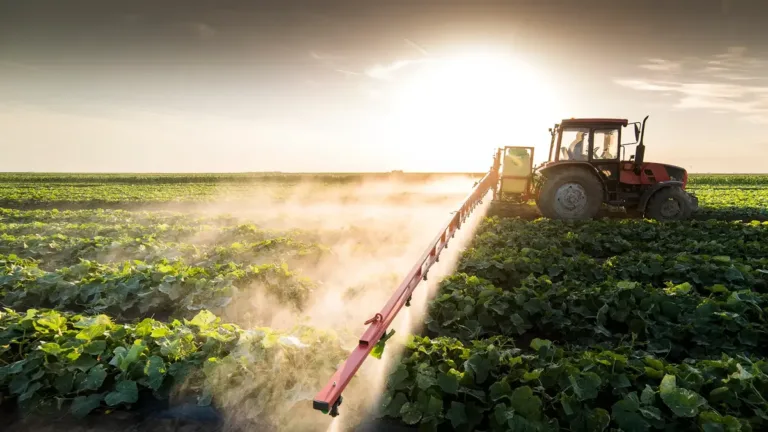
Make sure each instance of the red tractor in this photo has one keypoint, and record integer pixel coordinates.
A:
(587, 168)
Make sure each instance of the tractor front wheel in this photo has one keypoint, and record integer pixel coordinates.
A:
(570, 193)
(671, 203)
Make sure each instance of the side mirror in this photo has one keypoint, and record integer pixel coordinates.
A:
(637, 132)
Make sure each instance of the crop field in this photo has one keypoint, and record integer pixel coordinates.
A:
(124, 312)
(590, 326)
(227, 301)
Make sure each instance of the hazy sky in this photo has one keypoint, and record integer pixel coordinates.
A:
(189, 85)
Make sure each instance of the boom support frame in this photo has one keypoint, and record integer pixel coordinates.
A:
(329, 398)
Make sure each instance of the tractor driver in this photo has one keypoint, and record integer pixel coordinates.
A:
(576, 149)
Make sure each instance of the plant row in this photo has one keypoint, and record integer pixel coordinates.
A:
(508, 267)
(610, 237)
(443, 384)
(54, 360)
(134, 288)
(676, 321)
(58, 250)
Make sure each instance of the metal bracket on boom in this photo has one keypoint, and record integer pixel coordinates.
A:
(329, 398)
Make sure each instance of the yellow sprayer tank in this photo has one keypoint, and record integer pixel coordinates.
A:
(516, 163)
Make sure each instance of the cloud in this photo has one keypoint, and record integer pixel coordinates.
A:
(662, 65)
(332, 62)
(385, 72)
(416, 46)
(325, 57)
(731, 82)
(346, 72)
(380, 72)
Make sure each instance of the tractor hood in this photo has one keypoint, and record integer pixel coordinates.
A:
(676, 173)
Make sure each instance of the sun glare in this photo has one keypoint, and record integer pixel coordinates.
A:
(466, 105)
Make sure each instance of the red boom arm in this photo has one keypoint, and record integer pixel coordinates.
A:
(329, 398)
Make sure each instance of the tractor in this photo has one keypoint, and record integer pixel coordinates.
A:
(587, 168)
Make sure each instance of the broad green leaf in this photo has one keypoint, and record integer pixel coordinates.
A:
(95, 347)
(654, 363)
(741, 373)
(133, 354)
(125, 392)
(500, 390)
(53, 320)
(537, 344)
(525, 403)
(31, 389)
(203, 319)
(398, 377)
(585, 385)
(480, 366)
(395, 405)
(50, 348)
(681, 289)
(648, 397)
(91, 332)
(532, 375)
(683, 402)
(160, 332)
(378, 349)
(650, 412)
(733, 274)
(95, 378)
(84, 362)
(18, 384)
(424, 380)
(83, 405)
(433, 408)
(449, 382)
(457, 414)
(626, 285)
(155, 371)
(711, 421)
(410, 413)
(598, 420)
(64, 382)
(626, 414)
(620, 381)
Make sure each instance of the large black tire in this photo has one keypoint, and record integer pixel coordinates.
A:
(670, 203)
(571, 193)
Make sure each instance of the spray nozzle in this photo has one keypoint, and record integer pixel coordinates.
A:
(335, 408)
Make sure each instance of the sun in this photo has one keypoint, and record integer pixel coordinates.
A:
(464, 105)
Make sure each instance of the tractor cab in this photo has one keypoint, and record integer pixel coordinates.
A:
(597, 142)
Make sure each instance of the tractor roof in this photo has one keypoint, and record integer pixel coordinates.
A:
(602, 121)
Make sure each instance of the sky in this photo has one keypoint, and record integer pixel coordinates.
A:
(335, 86)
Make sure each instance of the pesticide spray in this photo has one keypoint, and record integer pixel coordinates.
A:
(375, 232)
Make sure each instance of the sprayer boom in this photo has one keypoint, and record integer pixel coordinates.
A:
(329, 398)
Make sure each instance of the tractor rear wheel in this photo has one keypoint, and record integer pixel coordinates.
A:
(571, 193)
(671, 203)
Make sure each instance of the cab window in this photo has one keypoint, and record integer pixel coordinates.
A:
(574, 144)
(606, 144)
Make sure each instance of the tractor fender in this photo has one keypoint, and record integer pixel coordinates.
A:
(554, 166)
(655, 188)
